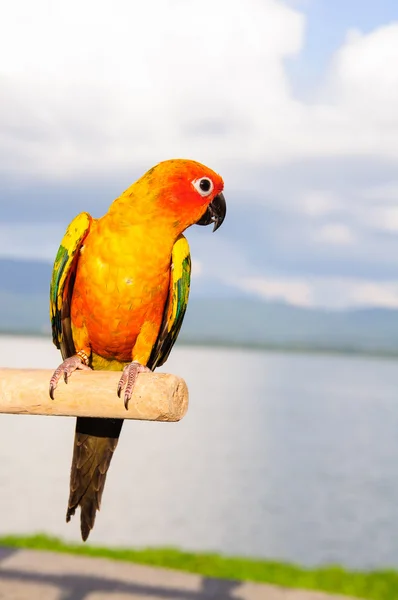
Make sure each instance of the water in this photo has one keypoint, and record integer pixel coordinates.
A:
(291, 457)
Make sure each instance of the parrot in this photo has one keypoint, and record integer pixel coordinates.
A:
(118, 296)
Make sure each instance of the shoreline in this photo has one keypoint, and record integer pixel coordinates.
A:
(375, 585)
(258, 347)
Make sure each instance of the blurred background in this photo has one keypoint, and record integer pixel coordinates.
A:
(290, 447)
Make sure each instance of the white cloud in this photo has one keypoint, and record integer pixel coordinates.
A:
(363, 79)
(291, 291)
(370, 293)
(319, 203)
(329, 292)
(334, 233)
(94, 86)
(382, 217)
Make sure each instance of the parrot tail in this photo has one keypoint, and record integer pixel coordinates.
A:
(95, 443)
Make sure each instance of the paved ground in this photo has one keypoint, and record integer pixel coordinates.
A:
(30, 575)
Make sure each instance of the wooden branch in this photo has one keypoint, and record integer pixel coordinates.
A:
(156, 396)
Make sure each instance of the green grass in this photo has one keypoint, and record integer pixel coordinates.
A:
(376, 585)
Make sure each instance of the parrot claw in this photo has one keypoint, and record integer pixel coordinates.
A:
(73, 363)
(129, 376)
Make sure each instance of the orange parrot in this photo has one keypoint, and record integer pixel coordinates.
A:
(118, 296)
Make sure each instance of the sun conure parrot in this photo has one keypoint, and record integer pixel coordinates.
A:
(118, 296)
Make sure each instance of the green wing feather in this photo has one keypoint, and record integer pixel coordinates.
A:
(176, 305)
(62, 280)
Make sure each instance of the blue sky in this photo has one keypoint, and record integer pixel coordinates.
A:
(294, 103)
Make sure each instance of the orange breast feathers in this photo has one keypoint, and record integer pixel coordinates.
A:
(120, 291)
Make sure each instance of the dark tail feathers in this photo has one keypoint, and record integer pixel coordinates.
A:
(95, 443)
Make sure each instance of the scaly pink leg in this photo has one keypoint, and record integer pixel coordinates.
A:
(129, 376)
(73, 363)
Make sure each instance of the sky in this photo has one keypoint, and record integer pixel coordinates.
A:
(294, 103)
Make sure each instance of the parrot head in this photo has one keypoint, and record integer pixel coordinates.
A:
(186, 193)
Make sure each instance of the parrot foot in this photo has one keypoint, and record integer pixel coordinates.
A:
(71, 364)
(129, 376)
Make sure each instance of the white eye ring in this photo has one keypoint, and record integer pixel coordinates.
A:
(204, 186)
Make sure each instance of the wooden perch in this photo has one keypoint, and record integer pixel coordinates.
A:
(156, 396)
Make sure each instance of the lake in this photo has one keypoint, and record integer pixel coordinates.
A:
(282, 456)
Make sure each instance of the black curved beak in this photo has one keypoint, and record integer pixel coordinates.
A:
(215, 212)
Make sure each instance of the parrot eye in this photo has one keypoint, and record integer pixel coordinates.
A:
(204, 186)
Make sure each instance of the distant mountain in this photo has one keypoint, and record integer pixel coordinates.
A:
(255, 322)
(24, 294)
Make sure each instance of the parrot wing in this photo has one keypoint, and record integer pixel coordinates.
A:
(62, 281)
(176, 305)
